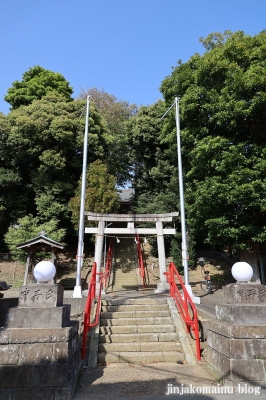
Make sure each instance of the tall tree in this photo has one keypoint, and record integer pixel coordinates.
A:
(43, 147)
(35, 84)
(154, 166)
(116, 113)
(149, 154)
(101, 193)
(223, 122)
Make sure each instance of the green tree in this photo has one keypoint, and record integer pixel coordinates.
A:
(154, 170)
(101, 193)
(223, 132)
(116, 113)
(28, 228)
(12, 206)
(149, 154)
(43, 149)
(36, 83)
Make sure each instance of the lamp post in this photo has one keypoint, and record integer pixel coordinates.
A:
(181, 197)
(78, 289)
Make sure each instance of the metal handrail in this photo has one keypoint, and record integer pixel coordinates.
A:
(183, 302)
(90, 301)
(140, 261)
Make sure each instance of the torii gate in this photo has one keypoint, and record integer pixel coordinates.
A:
(130, 219)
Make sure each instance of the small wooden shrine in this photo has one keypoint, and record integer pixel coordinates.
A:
(36, 245)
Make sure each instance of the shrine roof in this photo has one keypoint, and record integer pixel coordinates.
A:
(42, 240)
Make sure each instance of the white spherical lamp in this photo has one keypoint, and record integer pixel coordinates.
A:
(242, 271)
(44, 271)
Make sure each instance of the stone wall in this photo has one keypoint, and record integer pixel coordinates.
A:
(236, 341)
(39, 349)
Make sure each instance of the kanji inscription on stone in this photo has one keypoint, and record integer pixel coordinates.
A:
(24, 293)
(41, 295)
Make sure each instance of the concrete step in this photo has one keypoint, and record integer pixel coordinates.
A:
(121, 272)
(136, 321)
(124, 286)
(139, 337)
(131, 279)
(155, 300)
(129, 282)
(139, 346)
(108, 330)
(134, 314)
(135, 307)
(138, 330)
(140, 357)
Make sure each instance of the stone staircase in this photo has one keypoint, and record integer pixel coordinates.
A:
(138, 330)
(124, 272)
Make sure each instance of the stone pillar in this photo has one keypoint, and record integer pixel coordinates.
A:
(39, 346)
(236, 352)
(162, 286)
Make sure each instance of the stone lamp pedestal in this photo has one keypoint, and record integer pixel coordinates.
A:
(39, 346)
(236, 352)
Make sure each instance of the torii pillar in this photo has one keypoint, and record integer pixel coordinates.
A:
(162, 286)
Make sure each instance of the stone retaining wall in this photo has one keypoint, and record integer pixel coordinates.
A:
(39, 351)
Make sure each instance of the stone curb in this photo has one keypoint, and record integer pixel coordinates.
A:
(189, 356)
(95, 337)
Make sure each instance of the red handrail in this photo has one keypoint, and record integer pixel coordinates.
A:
(87, 312)
(183, 301)
(140, 262)
(108, 264)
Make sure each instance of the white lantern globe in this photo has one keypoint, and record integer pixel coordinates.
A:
(242, 271)
(44, 271)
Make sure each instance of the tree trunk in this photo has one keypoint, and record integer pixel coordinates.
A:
(252, 258)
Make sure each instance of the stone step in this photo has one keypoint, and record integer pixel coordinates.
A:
(125, 282)
(139, 346)
(130, 279)
(109, 330)
(156, 300)
(122, 272)
(139, 337)
(140, 357)
(135, 307)
(136, 321)
(134, 314)
(124, 286)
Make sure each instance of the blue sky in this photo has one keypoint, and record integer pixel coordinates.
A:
(125, 47)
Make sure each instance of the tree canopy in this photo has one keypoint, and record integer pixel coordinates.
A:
(101, 193)
(116, 114)
(28, 228)
(35, 84)
(223, 123)
(41, 157)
